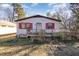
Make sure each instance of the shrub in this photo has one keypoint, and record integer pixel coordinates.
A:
(35, 41)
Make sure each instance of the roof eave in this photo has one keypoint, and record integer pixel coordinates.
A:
(37, 16)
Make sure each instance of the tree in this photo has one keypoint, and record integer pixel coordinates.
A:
(66, 16)
(75, 9)
(7, 12)
(19, 10)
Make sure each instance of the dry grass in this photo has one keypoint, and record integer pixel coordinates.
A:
(23, 47)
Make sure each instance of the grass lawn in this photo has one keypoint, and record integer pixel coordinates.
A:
(24, 47)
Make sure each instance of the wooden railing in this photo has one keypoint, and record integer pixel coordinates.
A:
(41, 35)
(35, 32)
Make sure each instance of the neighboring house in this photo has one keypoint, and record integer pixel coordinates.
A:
(37, 23)
(7, 27)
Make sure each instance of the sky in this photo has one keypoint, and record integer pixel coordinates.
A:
(42, 8)
(37, 8)
(3, 11)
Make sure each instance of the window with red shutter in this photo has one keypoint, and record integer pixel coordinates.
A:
(25, 26)
(50, 26)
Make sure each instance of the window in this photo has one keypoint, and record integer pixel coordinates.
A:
(29, 25)
(50, 25)
(25, 25)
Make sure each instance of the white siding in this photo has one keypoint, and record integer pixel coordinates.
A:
(7, 27)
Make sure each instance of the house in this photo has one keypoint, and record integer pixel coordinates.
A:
(35, 24)
(7, 27)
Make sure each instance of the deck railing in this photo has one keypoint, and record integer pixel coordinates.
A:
(35, 32)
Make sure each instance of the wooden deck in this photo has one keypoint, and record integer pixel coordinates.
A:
(37, 35)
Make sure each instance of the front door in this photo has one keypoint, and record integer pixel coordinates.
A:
(38, 27)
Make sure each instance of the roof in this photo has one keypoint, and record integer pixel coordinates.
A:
(7, 23)
(37, 16)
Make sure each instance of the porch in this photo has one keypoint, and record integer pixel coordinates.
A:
(41, 35)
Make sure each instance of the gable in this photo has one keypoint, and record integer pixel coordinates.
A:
(38, 16)
(37, 20)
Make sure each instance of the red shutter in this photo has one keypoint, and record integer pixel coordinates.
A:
(46, 25)
(30, 25)
(19, 25)
(53, 25)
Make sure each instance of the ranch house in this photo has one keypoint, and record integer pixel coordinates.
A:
(35, 24)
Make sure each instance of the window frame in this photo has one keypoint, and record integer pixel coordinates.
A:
(25, 25)
(53, 25)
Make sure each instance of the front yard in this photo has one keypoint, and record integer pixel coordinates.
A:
(24, 47)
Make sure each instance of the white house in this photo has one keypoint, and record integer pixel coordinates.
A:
(37, 23)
